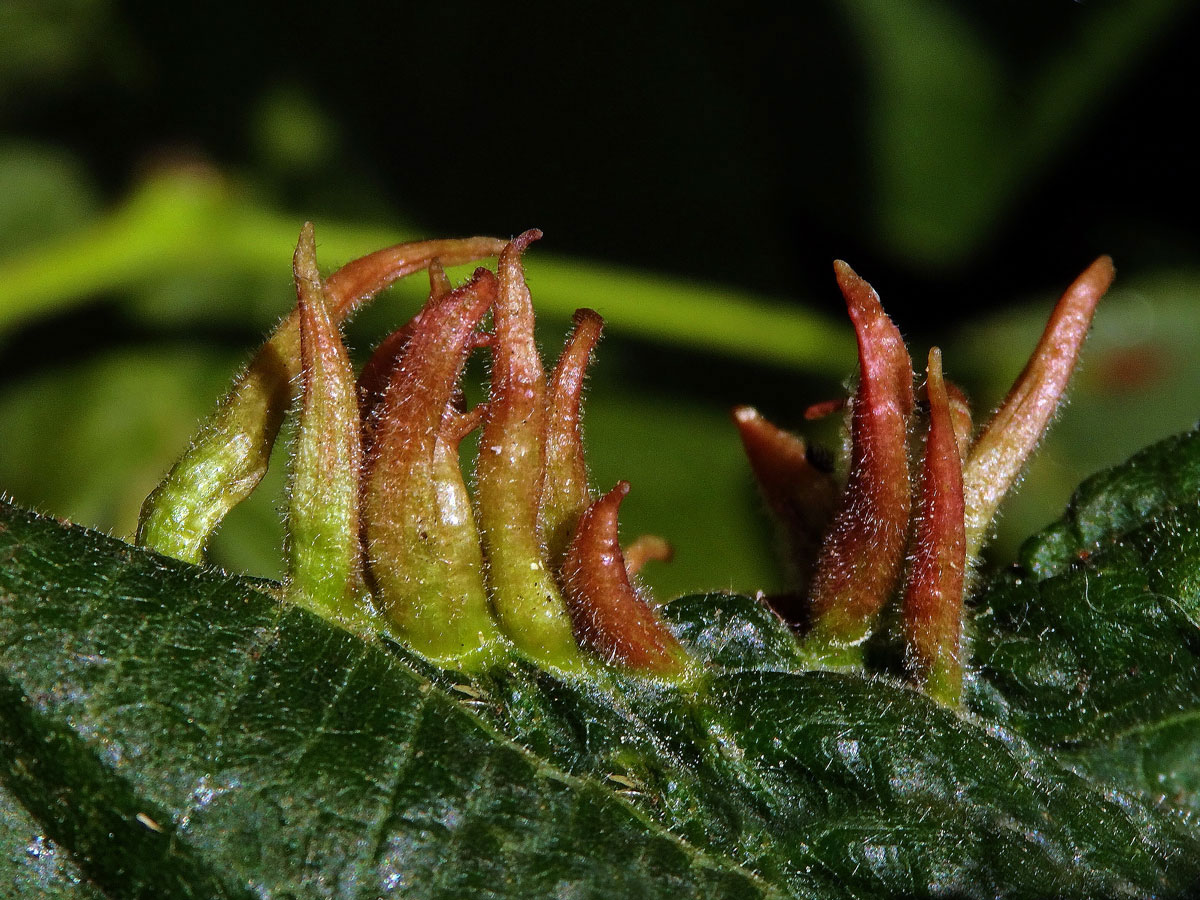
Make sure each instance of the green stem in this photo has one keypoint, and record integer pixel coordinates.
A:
(179, 222)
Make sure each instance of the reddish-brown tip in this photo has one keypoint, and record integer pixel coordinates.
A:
(824, 408)
(800, 497)
(1006, 442)
(860, 562)
(518, 245)
(565, 492)
(606, 611)
(933, 593)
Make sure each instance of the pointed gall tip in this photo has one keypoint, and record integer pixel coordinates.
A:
(778, 458)
(607, 613)
(1103, 269)
(1090, 285)
(885, 368)
(800, 497)
(304, 261)
(439, 282)
(569, 370)
(933, 366)
(825, 408)
(510, 265)
(935, 580)
(762, 437)
(861, 298)
(1000, 452)
(745, 415)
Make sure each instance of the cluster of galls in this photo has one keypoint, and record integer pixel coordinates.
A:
(895, 528)
(380, 518)
(379, 514)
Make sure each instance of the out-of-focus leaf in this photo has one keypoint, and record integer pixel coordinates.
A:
(192, 224)
(180, 733)
(291, 133)
(1159, 762)
(954, 138)
(44, 193)
(42, 40)
(89, 440)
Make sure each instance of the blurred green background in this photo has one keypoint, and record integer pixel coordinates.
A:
(695, 169)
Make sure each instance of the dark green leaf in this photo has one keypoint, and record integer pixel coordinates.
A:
(33, 866)
(1094, 644)
(282, 757)
(1155, 482)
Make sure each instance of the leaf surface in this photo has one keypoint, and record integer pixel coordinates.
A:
(1092, 645)
(283, 757)
(33, 866)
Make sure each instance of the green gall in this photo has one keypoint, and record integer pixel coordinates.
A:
(324, 553)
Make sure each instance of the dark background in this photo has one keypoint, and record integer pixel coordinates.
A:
(960, 155)
(716, 140)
